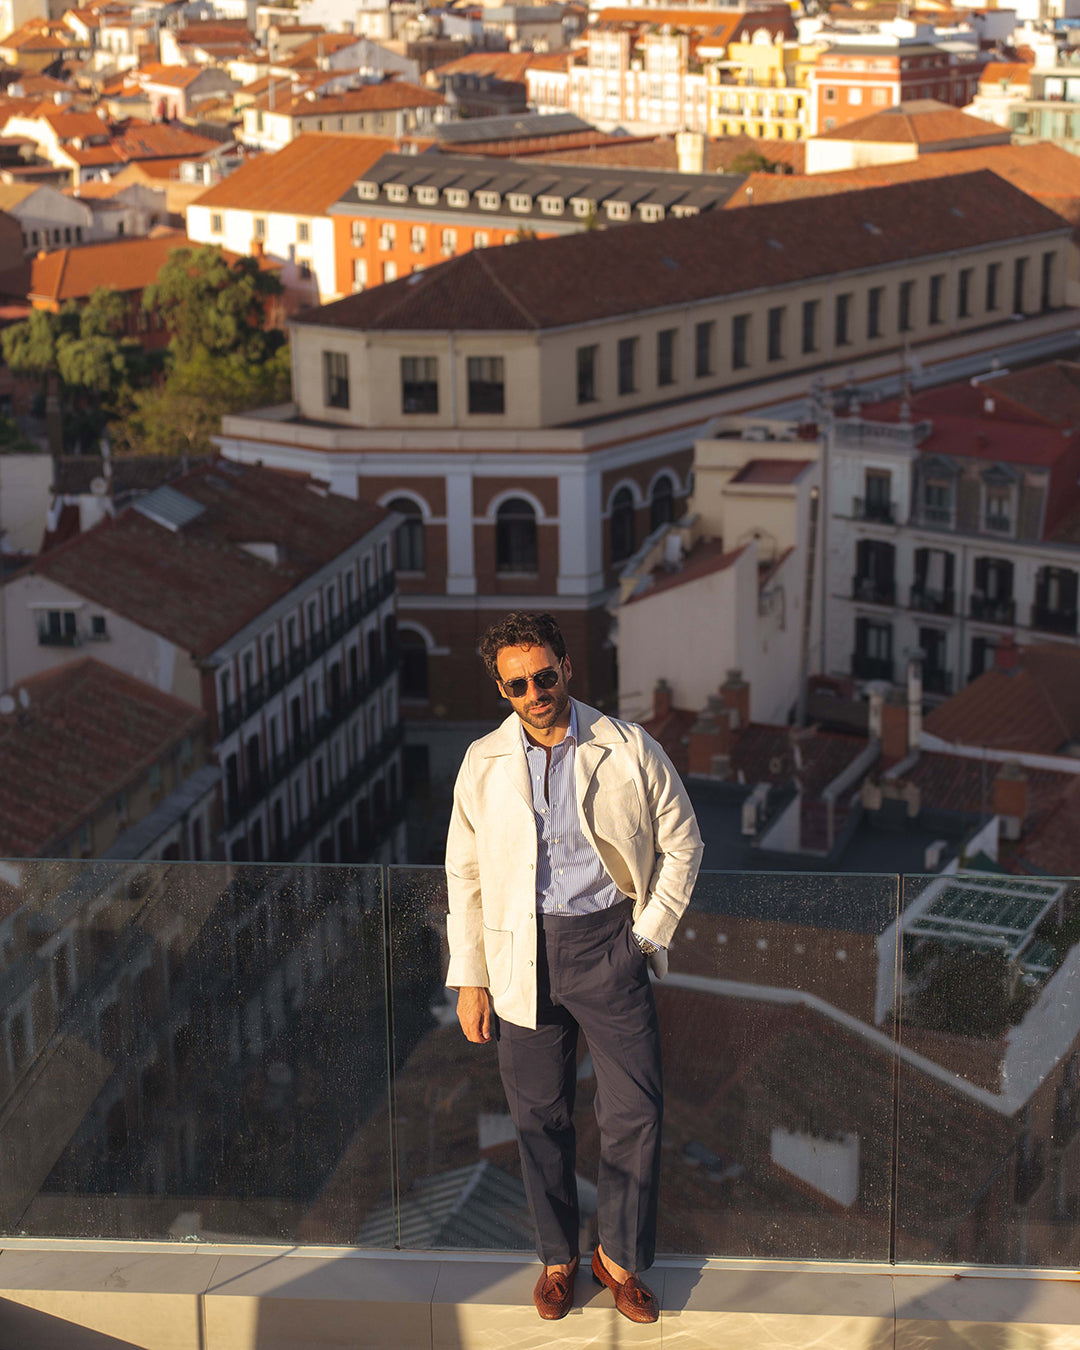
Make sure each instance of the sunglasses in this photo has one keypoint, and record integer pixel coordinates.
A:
(543, 679)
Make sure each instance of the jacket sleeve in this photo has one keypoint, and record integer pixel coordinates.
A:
(677, 841)
(464, 923)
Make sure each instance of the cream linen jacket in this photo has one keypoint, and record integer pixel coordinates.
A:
(634, 811)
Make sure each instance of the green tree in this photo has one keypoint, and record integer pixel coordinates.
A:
(753, 161)
(207, 302)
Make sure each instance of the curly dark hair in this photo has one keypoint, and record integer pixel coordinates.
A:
(520, 628)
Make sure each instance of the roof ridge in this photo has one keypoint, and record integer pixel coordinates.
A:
(1055, 715)
(505, 290)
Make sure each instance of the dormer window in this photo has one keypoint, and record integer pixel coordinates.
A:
(397, 192)
(651, 211)
(682, 211)
(617, 210)
(520, 201)
(367, 192)
(488, 201)
(582, 206)
(551, 206)
(457, 197)
(427, 196)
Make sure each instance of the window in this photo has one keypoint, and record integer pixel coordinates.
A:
(98, 628)
(335, 379)
(57, 628)
(999, 509)
(260, 227)
(993, 282)
(358, 233)
(874, 299)
(662, 505)
(389, 272)
(359, 274)
(515, 536)
(419, 384)
(303, 231)
(937, 501)
(622, 525)
(877, 503)
(409, 535)
(703, 348)
(843, 319)
(449, 242)
(413, 672)
(1046, 289)
(487, 385)
(810, 311)
(854, 96)
(963, 292)
(881, 97)
(627, 365)
(216, 225)
(937, 291)
(387, 237)
(665, 356)
(740, 334)
(1019, 284)
(418, 238)
(830, 94)
(776, 333)
(586, 374)
(480, 239)
(907, 295)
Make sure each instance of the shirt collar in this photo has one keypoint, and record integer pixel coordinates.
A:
(571, 733)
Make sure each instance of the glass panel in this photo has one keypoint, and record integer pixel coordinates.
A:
(989, 1078)
(777, 1024)
(192, 1050)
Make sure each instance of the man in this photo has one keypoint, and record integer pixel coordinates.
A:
(571, 857)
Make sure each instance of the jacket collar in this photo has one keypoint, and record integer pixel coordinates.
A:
(593, 729)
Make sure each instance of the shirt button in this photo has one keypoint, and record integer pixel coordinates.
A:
(528, 964)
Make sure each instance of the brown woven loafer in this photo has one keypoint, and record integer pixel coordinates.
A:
(632, 1298)
(554, 1293)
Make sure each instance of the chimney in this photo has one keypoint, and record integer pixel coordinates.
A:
(690, 151)
(710, 736)
(914, 699)
(661, 702)
(1007, 655)
(894, 730)
(1011, 798)
(735, 694)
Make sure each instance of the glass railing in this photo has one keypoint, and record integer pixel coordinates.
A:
(856, 1067)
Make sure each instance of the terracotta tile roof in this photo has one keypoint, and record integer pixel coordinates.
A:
(174, 77)
(199, 585)
(541, 148)
(1053, 845)
(1050, 392)
(604, 273)
(70, 126)
(305, 177)
(163, 141)
(385, 97)
(322, 44)
(1047, 172)
(89, 732)
(719, 25)
(772, 472)
(706, 559)
(955, 783)
(94, 156)
(659, 152)
(1034, 707)
(125, 264)
(12, 194)
(509, 66)
(1006, 72)
(922, 122)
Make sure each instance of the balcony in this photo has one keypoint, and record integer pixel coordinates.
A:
(865, 667)
(937, 515)
(995, 610)
(1053, 620)
(872, 509)
(932, 602)
(874, 590)
(857, 1160)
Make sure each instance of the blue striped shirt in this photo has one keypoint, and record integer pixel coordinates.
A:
(570, 878)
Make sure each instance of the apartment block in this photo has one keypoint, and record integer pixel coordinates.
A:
(268, 602)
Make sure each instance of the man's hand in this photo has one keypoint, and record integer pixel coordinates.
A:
(474, 1013)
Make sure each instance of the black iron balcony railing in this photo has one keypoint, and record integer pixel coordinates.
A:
(937, 515)
(874, 590)
(1053, 620)
(933, 602)
(873, 509)
(865, 667)
(998, 524)
(993, 610)
(256, 694)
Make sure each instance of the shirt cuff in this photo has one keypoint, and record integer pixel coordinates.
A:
(639, 937)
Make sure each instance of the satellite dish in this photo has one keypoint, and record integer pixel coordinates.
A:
(7, 705)
(24, 698)
(98, 486)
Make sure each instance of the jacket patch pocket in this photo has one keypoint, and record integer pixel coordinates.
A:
(499, 954)
(617, 811)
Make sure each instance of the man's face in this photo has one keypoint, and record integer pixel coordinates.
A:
(536, 707)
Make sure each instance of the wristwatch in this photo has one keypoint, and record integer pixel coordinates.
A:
(649, 948)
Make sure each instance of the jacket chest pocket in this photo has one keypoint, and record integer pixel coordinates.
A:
(617, 811)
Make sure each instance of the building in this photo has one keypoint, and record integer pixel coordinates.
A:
(46, 216)
(904, 132)
(175, 91)
(390, 109)
(1004, 87)
(758, 86)
(504, 407)
(268, 602)
(952, 521)
(98, 764)
(278, 205)
(407, 212)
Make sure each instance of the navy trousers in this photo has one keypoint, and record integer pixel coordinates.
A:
(591, 977)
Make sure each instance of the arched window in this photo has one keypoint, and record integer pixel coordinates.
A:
(409, 536)
(515, 536)
(622, 525)
(662, 506)
(413, 674)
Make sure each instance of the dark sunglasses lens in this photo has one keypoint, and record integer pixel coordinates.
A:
(546, 679)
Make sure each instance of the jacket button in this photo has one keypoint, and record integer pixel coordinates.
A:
(528, 964)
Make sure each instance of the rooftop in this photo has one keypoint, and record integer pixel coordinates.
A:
(80, 733)
(199, 584)
(385, 97)
(661, 152)
(601, 274)
(126, 264)
(923, 122)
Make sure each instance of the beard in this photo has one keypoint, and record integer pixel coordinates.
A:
(545, 711)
